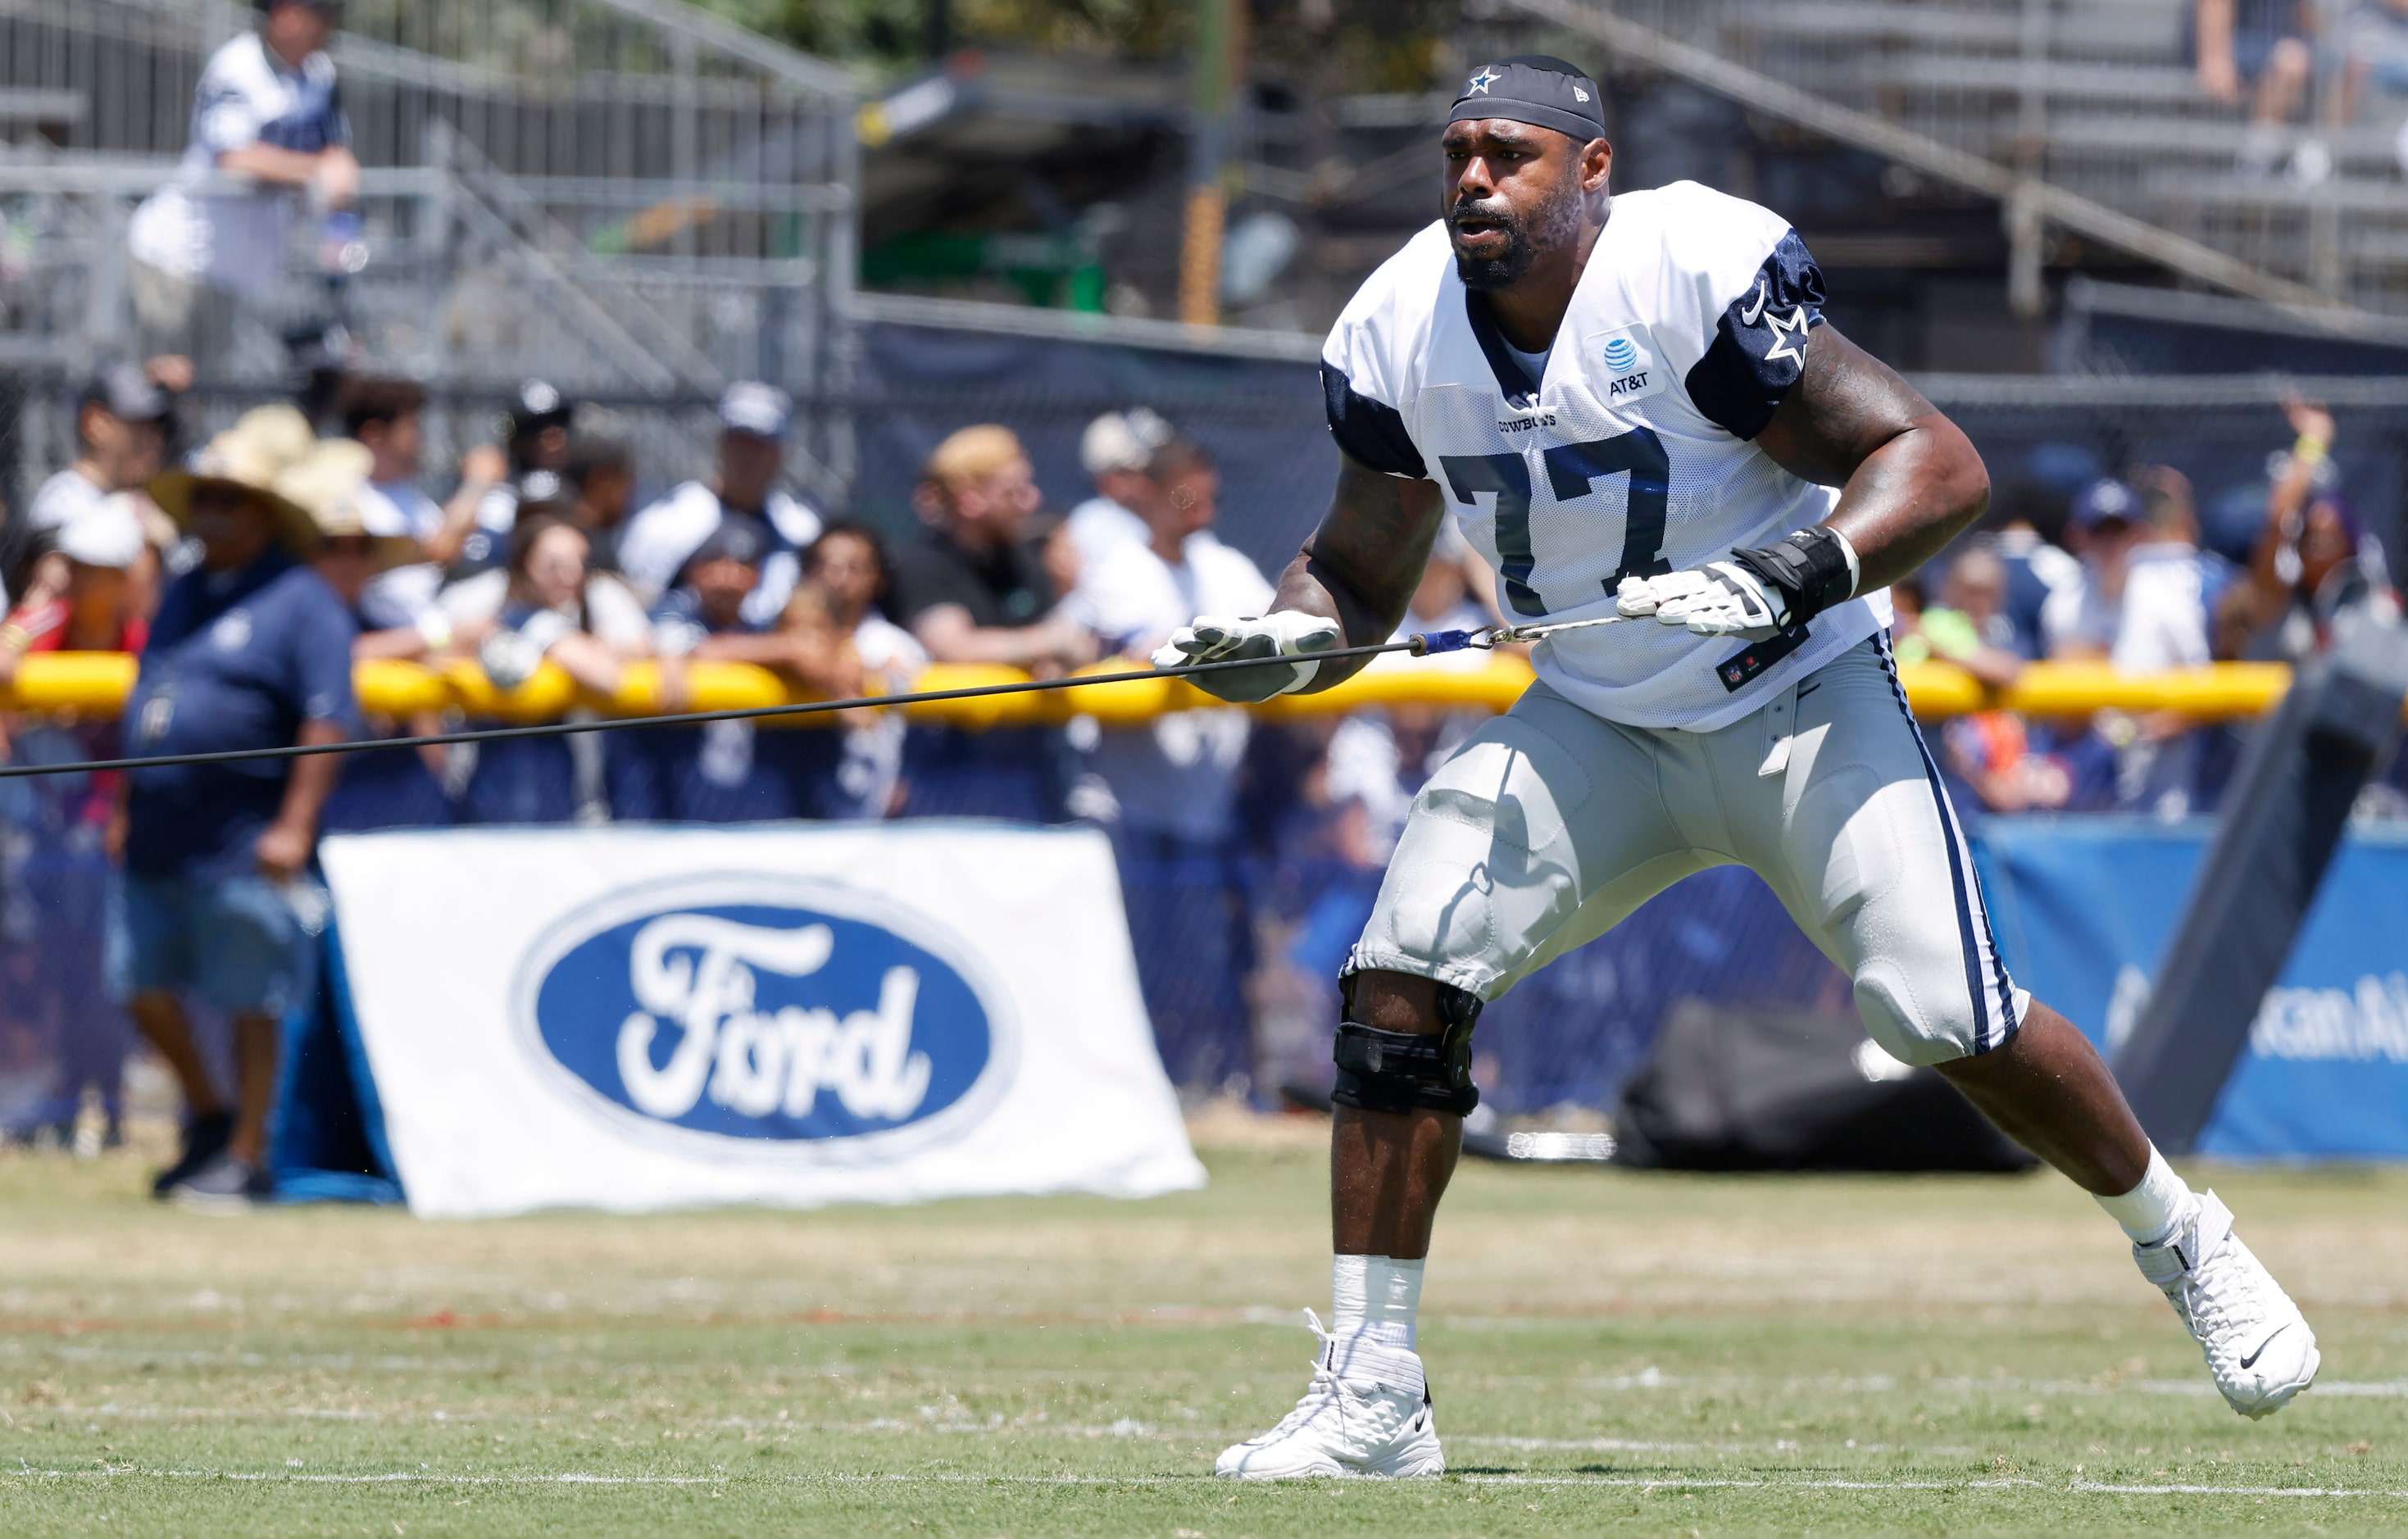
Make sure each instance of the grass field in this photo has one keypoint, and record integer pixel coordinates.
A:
(1612, 1353)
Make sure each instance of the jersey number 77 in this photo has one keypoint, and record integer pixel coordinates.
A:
(1572, 471)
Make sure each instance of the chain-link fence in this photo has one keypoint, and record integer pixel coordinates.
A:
(1238, 941)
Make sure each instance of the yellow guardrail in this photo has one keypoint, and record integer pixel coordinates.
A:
(96, 684)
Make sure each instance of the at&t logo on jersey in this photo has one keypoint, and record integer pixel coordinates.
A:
(748, 1009)
(1629, 364)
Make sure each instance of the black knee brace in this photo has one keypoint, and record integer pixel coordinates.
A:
(1398, 1071)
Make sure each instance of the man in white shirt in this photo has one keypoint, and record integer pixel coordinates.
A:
(1173, 781)
(1176, 775)
(2141, 601)
(1114, 452)
(385, 417)
(753, 420)
(265, 111)
(121, 422)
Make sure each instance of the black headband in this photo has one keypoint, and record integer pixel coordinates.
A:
(1538, 90)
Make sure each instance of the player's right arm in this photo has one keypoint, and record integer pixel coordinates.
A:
(1361, 566)
(1348, 587)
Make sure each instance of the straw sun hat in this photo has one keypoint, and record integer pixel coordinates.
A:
(248, 458)
(311, 485)
(328, 484)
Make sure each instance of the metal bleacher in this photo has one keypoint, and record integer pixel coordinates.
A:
(2088, 106)
(632, 198)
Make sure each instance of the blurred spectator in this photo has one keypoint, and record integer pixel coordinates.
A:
(350, 556)
(249, 649)
(2374, 52)
(974, 588)
(607, 607)
(2027, 517)
(1965, 630)
(845, 573)
(1173, 777)
(2241, 46)
(2142, 606)
(386, 418)
(1172, 782)
(707, 616)
(601, 477)
(122, 432)
(546, 613)
(265, 114)
(356, 553)
(79, 595)
(2169, 584)
(1114, 451)
(2312, 557)
(735, 771)
(2082, 619)
(754, 421)
(1989, 753)
(77, 601)
(534, 436)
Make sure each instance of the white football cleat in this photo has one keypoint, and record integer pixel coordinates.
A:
(2258, 1344)
(1366, 1415)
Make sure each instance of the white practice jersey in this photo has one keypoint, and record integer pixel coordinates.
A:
(1633, 456)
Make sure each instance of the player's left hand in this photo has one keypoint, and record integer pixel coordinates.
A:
(1758, 593)
(1721, 599)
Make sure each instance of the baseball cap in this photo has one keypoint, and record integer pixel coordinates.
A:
(749, 407)
(1537, 89)
(540, 406)
(126, 393)
(108, 533)
(740, 537)
(2103, 500)
(1122, 440)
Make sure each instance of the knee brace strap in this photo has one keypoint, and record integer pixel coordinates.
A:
(1387, 1071)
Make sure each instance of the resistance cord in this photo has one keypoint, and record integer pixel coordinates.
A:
(1418, 645)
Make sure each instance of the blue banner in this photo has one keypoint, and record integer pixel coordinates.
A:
(2086, 907)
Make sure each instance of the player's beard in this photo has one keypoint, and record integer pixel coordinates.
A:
(1555, 225)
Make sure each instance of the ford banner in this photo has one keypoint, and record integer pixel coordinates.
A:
(647, 1017)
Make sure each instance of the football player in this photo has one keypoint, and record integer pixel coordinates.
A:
(1637, 409)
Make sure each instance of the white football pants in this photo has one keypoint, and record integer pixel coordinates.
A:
(1552, 825)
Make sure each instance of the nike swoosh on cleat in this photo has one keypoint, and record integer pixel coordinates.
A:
(2251, 1360)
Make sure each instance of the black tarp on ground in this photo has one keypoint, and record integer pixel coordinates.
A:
(1765, 1088)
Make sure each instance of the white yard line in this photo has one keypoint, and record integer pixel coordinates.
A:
(428, 1477)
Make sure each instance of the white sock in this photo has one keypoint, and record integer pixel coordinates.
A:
(1376, 1297)
(2154, 1208)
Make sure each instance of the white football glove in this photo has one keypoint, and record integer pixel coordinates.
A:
(1723, 599)
(1281, 633)
(1758, 593)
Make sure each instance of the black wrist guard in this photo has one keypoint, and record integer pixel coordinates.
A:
(1380, 1070)
(1810, 568)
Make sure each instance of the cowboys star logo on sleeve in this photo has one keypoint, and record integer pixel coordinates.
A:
(1788, 337)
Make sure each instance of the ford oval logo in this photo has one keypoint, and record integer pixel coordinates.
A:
(748, 1008)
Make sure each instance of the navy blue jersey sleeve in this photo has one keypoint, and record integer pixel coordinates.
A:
(320, 658)
(1759, 348)
(1371, 432)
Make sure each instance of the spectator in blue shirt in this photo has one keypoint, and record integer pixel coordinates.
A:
(727, 771)
(250, 649)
